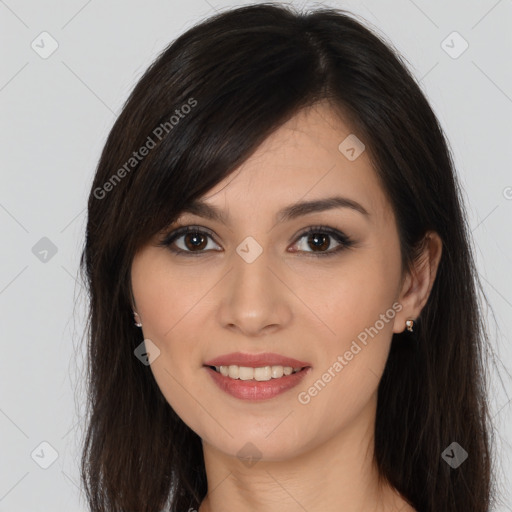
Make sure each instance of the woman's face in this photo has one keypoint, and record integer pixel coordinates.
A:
(255, 284)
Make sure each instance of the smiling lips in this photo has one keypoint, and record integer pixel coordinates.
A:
(256, 376)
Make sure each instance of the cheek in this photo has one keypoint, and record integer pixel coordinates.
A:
(348, 296)
(169, 303)
(358, 308)
(166, 295)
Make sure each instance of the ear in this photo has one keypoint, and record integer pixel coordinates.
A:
(418, 282)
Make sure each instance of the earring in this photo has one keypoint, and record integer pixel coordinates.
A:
(135, 314)
(409, 324)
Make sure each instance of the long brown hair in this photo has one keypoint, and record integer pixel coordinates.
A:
(200, 110)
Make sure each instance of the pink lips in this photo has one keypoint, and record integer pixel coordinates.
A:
(255, 360)
(253, 389)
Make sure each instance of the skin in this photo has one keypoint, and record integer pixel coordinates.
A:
(316, 456)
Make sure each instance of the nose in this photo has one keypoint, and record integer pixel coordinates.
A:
(254, 298)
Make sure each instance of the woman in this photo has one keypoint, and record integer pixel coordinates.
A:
(283, 296)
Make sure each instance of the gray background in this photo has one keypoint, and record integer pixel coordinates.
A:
(56, 114)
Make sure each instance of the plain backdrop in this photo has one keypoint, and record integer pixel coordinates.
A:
(67, 67)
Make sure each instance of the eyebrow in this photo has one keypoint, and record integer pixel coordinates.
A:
(202, 209)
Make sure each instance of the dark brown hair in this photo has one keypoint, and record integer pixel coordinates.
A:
(201, 109)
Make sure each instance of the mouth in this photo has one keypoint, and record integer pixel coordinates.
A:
(256, 384)
(259, 374)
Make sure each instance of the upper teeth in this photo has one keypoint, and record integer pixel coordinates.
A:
(262, 373)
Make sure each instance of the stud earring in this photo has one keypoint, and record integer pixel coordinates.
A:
(409, 325)
(135, 315)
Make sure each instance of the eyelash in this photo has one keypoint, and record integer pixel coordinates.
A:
(344, 241)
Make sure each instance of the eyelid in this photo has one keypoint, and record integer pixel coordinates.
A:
(344, 241)
(181, 230)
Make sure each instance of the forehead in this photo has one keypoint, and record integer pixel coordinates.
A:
(302, 161)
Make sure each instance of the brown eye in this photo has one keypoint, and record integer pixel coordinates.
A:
(188, 240)
(318, 240)
(195, 241)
